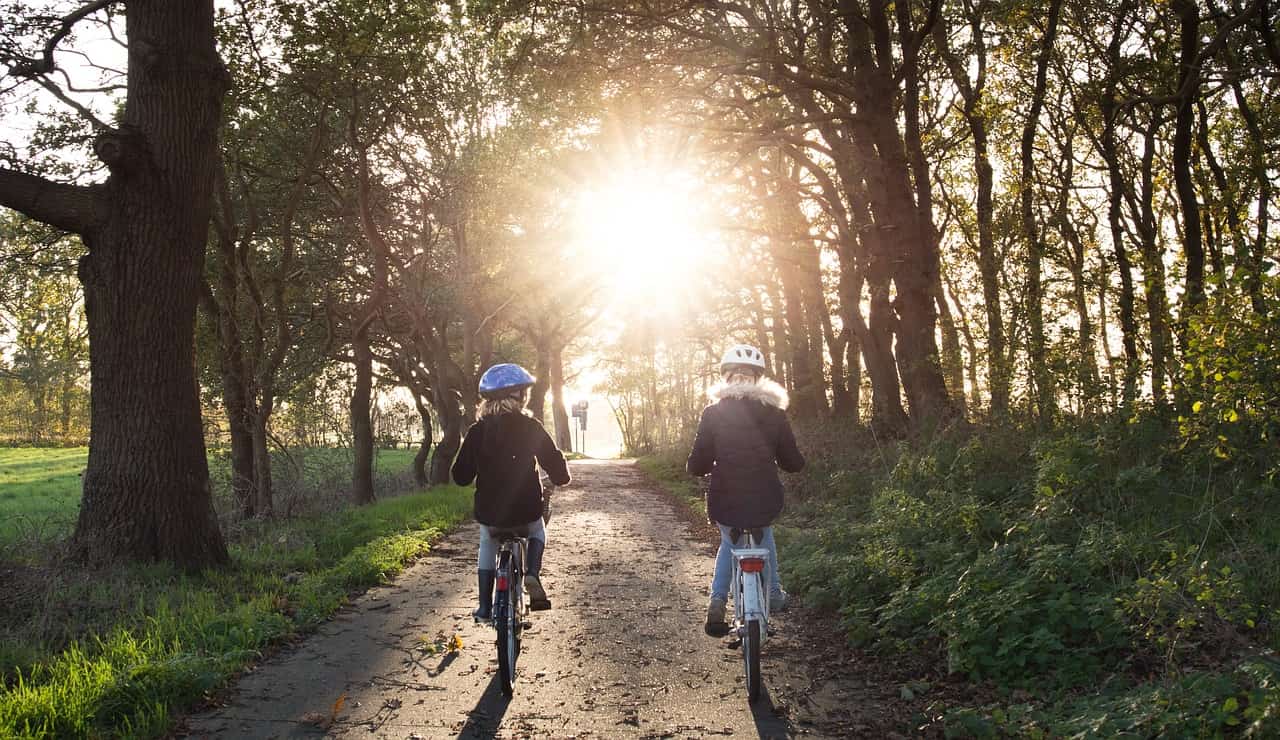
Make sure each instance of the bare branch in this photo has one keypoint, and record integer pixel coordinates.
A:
(45, 64)
(72, 208)
(97, 123)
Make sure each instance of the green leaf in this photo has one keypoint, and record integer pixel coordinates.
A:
(1230, 705)
(1195, 407)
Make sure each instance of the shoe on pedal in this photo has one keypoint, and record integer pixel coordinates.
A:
(716, 626)
(537, 595)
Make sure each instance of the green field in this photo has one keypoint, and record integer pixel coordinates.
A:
(117, 653)
(39, 491)
(40, 487)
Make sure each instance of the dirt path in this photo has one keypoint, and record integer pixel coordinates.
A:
(622, 654)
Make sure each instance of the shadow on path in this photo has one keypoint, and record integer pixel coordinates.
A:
(486, 717)
(770, 724)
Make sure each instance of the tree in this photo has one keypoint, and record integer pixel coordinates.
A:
(146, 486)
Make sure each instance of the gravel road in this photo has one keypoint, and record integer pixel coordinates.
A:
(622, 654)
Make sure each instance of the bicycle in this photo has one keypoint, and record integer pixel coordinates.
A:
(750, 591)
(509, 608)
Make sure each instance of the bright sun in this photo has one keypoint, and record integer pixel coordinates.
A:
(646, 231)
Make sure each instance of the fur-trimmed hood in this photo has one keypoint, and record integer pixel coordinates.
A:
(764, 390)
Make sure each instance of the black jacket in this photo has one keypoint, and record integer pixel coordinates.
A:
(742, 440)
(498, 454)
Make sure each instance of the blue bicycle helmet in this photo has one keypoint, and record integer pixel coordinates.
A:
(503, 380)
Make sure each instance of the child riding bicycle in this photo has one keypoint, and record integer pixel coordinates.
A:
(742, 440)
(499, 453)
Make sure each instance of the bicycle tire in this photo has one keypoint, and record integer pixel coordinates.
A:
(516, 608)
(751, 659)
(507, 622)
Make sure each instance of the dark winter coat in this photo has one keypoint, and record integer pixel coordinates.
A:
(742, 440)
(498, 453)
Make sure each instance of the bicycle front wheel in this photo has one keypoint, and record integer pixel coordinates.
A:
(751, 659)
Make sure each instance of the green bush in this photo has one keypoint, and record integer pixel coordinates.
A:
(1232, 375)
(1042, 560)
(1116, 567)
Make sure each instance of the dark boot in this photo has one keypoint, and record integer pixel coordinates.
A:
(485, 612)
(532, 582)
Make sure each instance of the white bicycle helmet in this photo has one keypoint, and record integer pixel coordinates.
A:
(742, 355)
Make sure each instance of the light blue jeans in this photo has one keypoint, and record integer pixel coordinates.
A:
(489, 546)
(724, 563)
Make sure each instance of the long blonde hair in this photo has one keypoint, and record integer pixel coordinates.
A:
(513, 404)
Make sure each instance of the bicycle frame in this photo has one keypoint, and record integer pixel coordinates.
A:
(509, 573)
(750, 604)
(749, 585)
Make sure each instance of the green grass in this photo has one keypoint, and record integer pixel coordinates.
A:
(39, 491)
(116, 655)
(668, 471)
(40, 487)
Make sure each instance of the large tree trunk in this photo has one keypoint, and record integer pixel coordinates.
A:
(235, 385)
(1041, 381)
(420, 477)
(949, 401)
(781, 365)
(146, 486)
(906, 248)
(1252, 261)
(952, 362)
(379, 264)
(804, 400)
(448, 411)
(1124, 266)
(1189, 85)
(542, 382)
(761, 330)
(263, 495)
(1087, 362)
(973, 92)
(874, 337)
(564, 435)
(1153, 273)
(361, 421)
(242, 472)
(818, 319)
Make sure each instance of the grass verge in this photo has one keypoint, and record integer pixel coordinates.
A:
(667, 469)
(40, 487)
(118, 654)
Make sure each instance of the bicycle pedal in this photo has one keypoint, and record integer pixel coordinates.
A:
(526, 625)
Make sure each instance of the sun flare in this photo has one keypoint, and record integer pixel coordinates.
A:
(646, 232)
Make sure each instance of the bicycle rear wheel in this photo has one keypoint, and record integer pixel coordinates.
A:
(751, 659)
(508, 626)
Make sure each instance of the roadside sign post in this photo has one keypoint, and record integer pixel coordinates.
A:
(579, 411)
